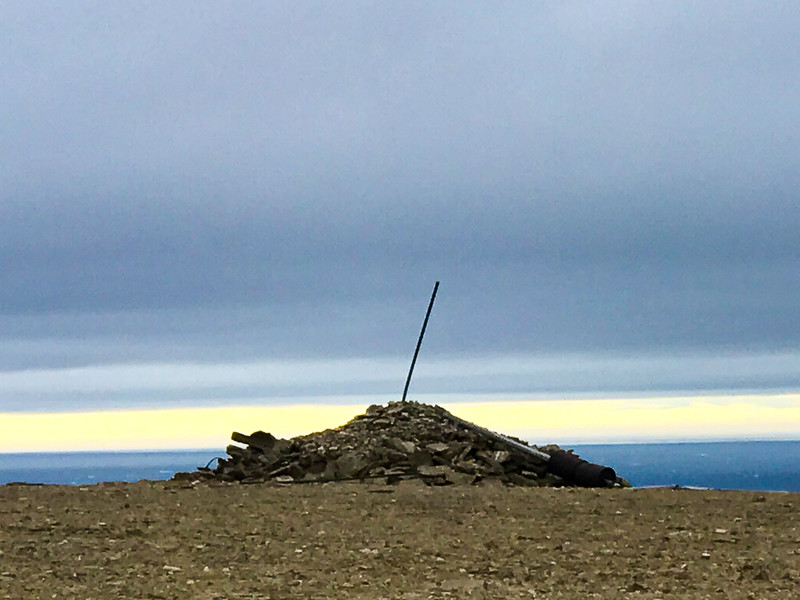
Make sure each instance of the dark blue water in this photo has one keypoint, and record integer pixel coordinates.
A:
(81, 468)
(766, 466)
(748, 465)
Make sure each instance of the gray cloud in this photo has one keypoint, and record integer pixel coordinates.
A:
(343, 381)
(208, 182)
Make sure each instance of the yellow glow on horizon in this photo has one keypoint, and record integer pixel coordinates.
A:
(634, 419)
(542, 421)
(161, 428)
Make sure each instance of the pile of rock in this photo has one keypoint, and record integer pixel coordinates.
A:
(402, 440)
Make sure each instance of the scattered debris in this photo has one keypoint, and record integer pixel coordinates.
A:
(401, 440)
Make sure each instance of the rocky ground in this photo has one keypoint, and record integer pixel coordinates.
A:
(225, 541)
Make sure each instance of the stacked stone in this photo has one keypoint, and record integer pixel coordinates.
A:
(402, 440)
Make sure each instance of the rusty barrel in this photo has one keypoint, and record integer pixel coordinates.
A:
(580, 472)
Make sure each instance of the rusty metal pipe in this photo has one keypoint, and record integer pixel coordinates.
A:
(580, 472)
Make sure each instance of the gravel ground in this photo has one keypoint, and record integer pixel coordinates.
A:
(178, 540)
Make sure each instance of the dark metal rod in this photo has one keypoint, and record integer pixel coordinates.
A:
(419, 341)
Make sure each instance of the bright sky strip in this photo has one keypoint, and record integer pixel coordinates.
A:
(598, 420)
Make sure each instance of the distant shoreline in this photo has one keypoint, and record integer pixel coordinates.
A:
(751, 465)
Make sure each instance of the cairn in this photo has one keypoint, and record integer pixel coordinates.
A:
(398, 441)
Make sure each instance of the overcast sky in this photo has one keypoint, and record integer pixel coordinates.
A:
(264, 193)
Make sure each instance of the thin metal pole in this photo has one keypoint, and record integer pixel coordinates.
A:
(419, 341)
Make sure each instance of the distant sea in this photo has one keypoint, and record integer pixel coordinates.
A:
(85, 468)
(751, 465)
